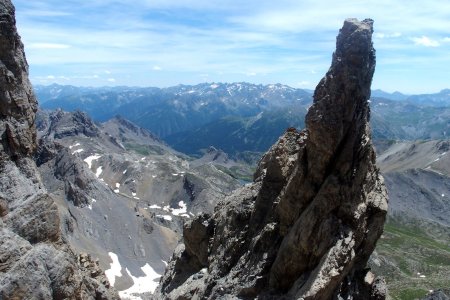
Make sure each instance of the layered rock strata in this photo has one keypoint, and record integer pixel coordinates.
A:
(306, 226)
(35, 262)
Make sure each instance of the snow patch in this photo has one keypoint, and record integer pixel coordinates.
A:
(133, 194)
(165, 217)
(91, 158)
(181, 210)
(90, 205)
(117, 188)
(214, 86)
(164, 262)
(74, 145)
(153, 176)
(144, 284)
(114, 268)
(77, 151)
(154, 206)
(99, 171)
(125, 172)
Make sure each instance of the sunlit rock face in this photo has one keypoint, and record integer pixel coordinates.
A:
(306, 226)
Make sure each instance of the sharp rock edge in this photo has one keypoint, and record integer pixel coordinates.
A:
(35, 261)
(307, 225)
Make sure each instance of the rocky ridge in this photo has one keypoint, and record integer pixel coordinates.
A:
(35, 260)
(307, 225)
(122, 194)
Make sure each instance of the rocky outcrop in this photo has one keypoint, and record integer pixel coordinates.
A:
(64, 124)
(17, 102)
(441, 294)
(35, 262)
(307, 225)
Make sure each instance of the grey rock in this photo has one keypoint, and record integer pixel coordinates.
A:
(122, 191)
(18, 104)
(63, 124)
(307, 225)
(35, 262)
(441, 294)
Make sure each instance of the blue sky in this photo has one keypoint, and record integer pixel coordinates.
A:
(168, 42)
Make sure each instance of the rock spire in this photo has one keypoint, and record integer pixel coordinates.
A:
(306, 226)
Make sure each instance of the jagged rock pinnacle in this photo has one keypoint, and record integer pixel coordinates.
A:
(307, 225)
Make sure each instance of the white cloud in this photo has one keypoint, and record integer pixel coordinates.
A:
(111, 80)
(46, 13)
(425, 41)
(270, 41)
(304, 83)
(47, 46)
(157, 68)
(381, 35)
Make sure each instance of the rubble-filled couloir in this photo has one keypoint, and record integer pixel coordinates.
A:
(35, 261)
(306, 226)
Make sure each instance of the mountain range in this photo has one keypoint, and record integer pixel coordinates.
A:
(245, 117)
(94, 209)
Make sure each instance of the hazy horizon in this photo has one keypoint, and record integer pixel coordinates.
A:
(166, 43)
(212, 82)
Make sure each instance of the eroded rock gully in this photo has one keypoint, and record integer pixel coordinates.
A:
(306, 226)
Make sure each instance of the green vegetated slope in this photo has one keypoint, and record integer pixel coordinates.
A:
(234, 134)
(414, 257)
(414, 251)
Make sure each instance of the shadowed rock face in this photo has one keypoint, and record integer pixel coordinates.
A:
(35, 263)
(307, 225)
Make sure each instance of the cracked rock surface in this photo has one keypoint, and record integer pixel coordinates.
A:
(35, 261)
(306, 226)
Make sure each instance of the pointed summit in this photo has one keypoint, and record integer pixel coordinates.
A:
(307, 225)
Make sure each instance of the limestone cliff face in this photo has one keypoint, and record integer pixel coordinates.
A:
(307, 225)
(35, 263)
(17, 102)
